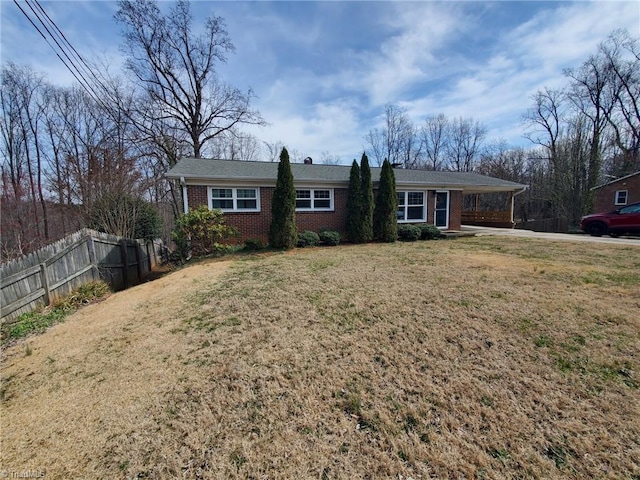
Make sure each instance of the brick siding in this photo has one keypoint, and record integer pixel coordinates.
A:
(605, 196)
(455, 209)
(255, 225)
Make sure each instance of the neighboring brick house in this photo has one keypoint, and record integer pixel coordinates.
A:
(243, 191)
(617, 193)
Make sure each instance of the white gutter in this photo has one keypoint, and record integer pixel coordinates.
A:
(185, 201)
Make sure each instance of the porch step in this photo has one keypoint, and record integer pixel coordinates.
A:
(458, 233)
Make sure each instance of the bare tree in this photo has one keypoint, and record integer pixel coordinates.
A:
(466, 139)
(435, 134)
(620, 57)
(396, 141)
(176, 71)
(591, 94)
(544, 120)
(235, 145)
(327, 158)
(272, 150)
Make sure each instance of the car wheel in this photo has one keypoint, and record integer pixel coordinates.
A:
(597, 229)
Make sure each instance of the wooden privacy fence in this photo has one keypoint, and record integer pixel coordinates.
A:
(54, 271)
(551, 225)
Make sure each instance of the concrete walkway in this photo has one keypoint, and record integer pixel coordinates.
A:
(479, 231)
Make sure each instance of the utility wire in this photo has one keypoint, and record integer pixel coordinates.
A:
(64, 39)
(49, 43)
(75, 71)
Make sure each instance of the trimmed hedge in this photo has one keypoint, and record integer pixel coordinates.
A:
(429, 232)
(329, 237)
(308, 239)
(409, 233)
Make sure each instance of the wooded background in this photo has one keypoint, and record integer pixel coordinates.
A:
(65, 149)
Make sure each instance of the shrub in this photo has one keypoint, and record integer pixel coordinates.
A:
(366, 190)
(409, 233)
(202, 232)
(253, 244)
(39, 320)
(385, 219)
(330, 237)
(354, 206)
(429, 232)
(308, 239)
(283, 232)
(125, 216)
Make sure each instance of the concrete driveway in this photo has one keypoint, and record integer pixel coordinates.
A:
(479, 231)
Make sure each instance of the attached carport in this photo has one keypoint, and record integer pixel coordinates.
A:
(491, 205)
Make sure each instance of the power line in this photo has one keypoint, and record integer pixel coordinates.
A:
(63, 38)
(69, 62)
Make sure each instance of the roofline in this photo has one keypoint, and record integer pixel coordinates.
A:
(617, 180)
(270, 181)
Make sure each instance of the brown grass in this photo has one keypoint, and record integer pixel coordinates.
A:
(474, 358)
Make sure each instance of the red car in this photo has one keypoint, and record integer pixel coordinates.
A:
(622, 221)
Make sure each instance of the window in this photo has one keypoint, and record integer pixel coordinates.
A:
(234, 199)
(411, 207)
(621, 197)
(314, 199)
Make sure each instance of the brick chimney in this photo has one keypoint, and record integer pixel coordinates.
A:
(308, 161)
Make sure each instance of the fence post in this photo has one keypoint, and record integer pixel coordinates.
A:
(45, 283)
(125, 263)
(146, 246)
(92, 257)
(138, 261)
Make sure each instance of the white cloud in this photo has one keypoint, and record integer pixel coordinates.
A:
(527, 58)
(323, 127)
(324, 70)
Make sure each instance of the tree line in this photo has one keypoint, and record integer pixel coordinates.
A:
(67, 152)
(581, 135)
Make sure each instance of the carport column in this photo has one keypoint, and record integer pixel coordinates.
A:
(513, 204)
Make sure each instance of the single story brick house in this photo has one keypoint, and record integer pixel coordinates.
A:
(243, 191)
(617, 193)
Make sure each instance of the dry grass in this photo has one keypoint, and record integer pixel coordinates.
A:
(475, 358)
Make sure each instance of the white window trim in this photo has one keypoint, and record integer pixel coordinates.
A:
(406, 206)
(234, 197)
(313, 208)
(435, 204)
(617, 197)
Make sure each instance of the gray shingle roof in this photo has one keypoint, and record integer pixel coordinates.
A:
(194, 169)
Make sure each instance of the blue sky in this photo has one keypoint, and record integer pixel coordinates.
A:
(323, 71)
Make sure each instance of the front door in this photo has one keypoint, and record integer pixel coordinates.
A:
(441, 215)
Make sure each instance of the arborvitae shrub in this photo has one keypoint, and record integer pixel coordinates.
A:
(366, 191)
(385, 216)
(429, 232)
(329, 237)
(409, 233)
(308, 239)
(283, 232)
(354, 206)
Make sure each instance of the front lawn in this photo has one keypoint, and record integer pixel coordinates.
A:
(488, 357)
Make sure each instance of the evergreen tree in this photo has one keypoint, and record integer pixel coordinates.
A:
(283, 232)
(354, 206)
(366, 190)
(385, 220)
